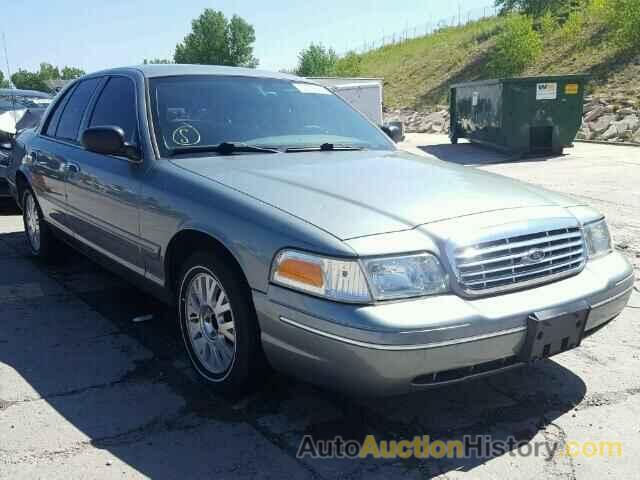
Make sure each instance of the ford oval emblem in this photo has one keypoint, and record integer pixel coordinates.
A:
(535, 255)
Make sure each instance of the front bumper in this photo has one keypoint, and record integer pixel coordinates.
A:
(398, 347)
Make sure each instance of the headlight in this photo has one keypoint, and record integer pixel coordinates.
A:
(598, 238)
(405, 276)
(344, 281)
(340, 280)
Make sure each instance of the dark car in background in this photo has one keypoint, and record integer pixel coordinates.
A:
(19, 109)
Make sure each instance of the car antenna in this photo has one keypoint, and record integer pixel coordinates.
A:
(6, 57)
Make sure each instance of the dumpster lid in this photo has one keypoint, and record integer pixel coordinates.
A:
(542, 78)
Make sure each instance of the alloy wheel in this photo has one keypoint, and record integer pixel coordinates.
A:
(33, 222)
(210, 323)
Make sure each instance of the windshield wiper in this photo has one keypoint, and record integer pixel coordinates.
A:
(325, 147)
(224, 148)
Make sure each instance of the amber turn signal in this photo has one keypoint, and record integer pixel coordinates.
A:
(301, 271)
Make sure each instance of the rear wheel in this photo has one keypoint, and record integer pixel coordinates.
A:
(41, 241)
(219, 325)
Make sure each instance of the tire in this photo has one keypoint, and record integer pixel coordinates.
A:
(219, 327)
(42, 243)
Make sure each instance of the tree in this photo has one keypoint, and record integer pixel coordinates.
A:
(214, 40)
(37, 80)
(349, 66)
(316, 61)
(4, 83)
(624, 18)
(547, 24)
(241, 39)
(48, 72)
(24, 79)
(70, 73)
(518, 46)
(537, 8)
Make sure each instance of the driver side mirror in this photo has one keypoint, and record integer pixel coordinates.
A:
(393, 131)
(109, 140)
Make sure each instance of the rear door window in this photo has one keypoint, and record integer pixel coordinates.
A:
(71, 116)
(54, 117)
(116, 106)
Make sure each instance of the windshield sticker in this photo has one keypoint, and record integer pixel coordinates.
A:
(311, 88)
(186, 135)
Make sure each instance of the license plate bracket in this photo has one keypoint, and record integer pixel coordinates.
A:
(554, 331)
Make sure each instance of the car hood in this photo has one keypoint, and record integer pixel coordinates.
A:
(359, 193)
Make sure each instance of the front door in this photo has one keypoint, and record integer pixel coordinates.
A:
(103, 191)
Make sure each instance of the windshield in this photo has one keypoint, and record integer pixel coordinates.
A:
(209, 110)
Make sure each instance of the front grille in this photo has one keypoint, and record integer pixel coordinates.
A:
(519, 261)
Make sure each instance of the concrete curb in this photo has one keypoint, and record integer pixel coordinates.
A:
(603, 142)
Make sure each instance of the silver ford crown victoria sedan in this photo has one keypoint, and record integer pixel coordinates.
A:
(289, 231)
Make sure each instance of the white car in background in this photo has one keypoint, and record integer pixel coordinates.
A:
(19, 110)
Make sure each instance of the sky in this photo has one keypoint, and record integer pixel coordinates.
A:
(94, 34)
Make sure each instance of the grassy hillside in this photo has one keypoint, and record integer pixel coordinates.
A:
(417, 73)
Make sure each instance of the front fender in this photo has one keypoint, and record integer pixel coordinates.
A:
(175, 200)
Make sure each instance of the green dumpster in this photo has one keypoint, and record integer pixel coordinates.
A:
(533, 115)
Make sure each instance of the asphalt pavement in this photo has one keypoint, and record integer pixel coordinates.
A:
(85, 392)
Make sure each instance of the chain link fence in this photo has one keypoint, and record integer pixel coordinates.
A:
(460, 19)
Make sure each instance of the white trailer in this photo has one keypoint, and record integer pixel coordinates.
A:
(365, 94)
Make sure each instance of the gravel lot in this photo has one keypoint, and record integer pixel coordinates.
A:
(85, 392)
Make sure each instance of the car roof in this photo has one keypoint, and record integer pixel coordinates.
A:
(23, 93)
(171, 70)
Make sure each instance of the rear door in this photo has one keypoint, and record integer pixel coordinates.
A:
(51, 150)
(103, 191)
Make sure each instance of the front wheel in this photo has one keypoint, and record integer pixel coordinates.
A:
(219, 325)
